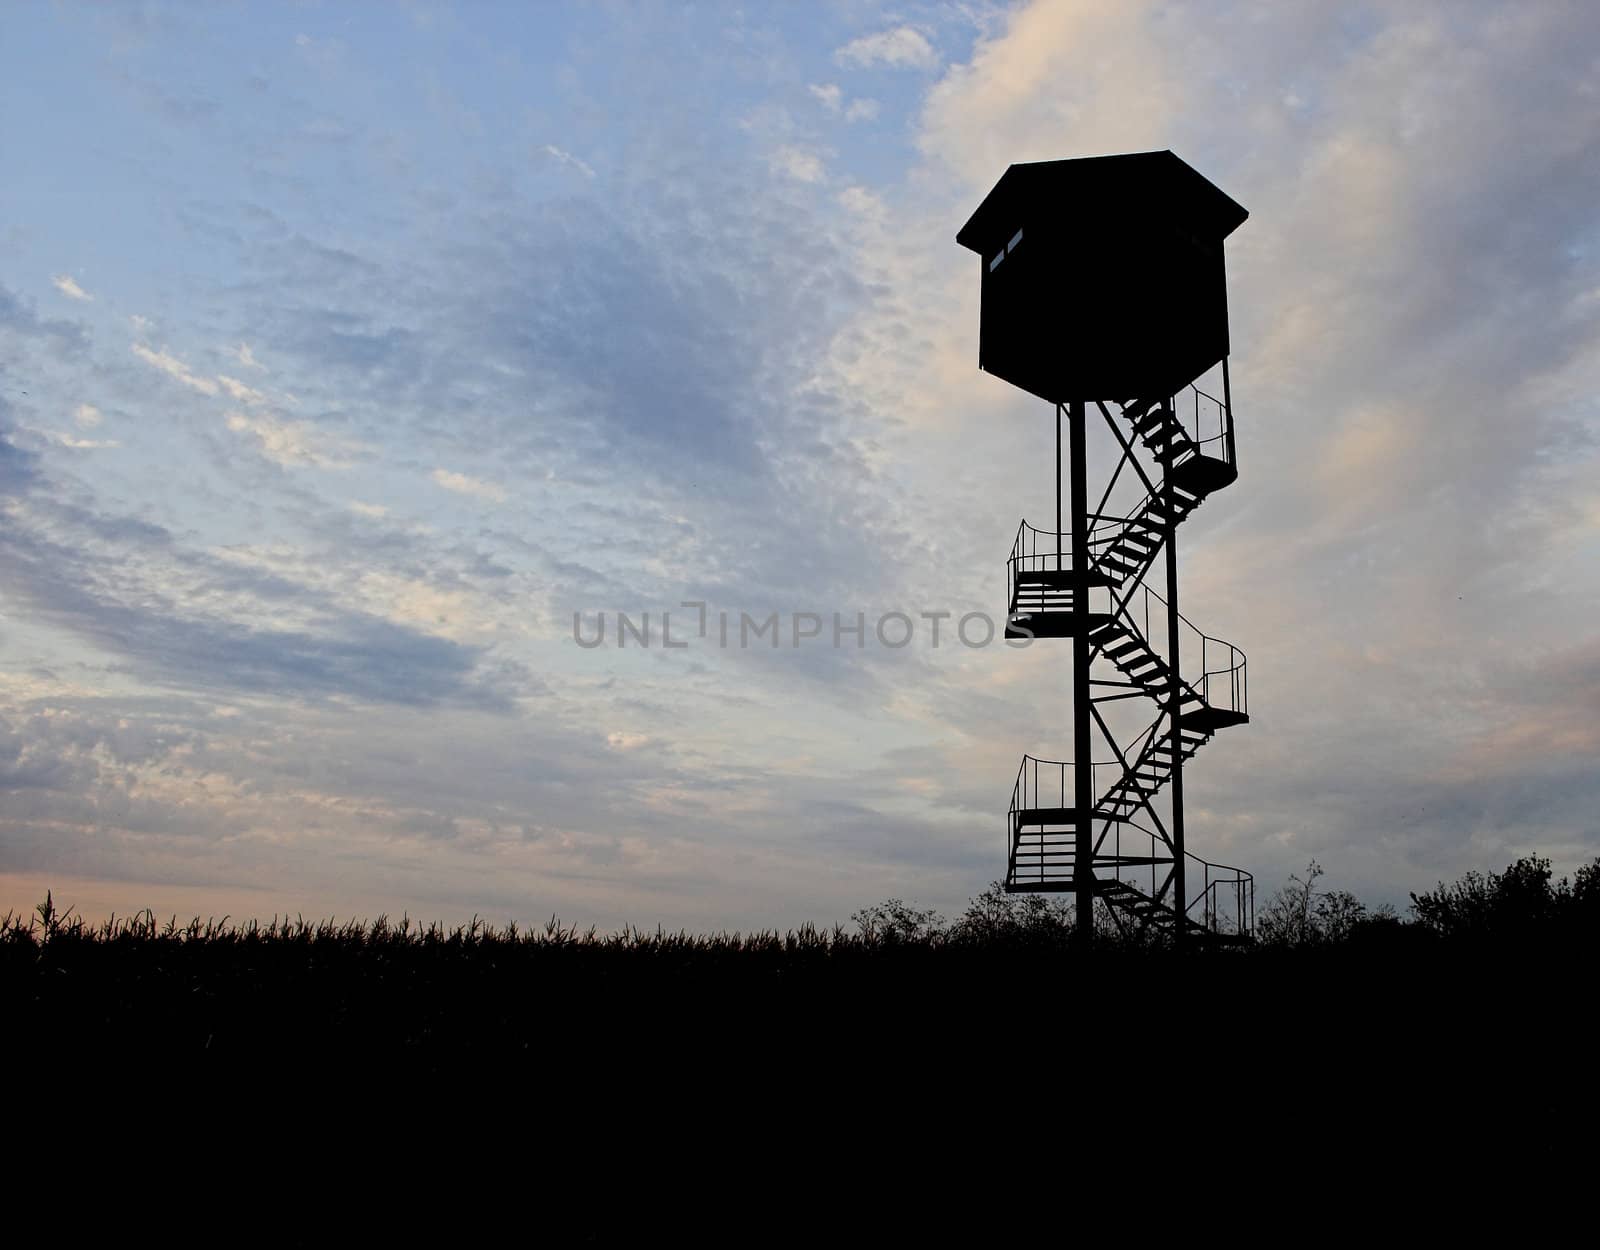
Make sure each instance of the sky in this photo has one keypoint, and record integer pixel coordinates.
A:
(348, 351)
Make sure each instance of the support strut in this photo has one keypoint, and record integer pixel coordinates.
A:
(1082, 749)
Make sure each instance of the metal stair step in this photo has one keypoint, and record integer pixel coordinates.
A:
(1045, 816)
(1167, 432)
(1152, 419)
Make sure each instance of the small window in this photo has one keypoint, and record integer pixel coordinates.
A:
(995, 263)
(1015, 239)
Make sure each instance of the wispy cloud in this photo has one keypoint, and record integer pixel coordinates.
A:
(464, 485)
(79, 444)
(68, 286)
(295, 443)
(247, 358)
(239, 391)
(859, 200)
(901, 47)
(801, 164)
(831, 95)
(563, 157)
(175, 368)
(832, 98)
(87, 415)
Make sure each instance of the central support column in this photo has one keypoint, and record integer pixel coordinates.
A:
(1082, 749)
(1174, 690)
(1059, 547)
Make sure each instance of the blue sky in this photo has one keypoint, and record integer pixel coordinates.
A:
(349, 350)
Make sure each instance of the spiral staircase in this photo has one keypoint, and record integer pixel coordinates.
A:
(1134, 853)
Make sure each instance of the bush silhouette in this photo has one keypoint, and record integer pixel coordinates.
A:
(1523, 904)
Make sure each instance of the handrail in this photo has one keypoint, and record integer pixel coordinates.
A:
(1028, 554)
(1233, 672)
(1030, 545)
(1223, 419)
(1215, 879)
(1225, 896)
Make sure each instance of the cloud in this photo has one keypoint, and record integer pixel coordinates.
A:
(800, 164)
(374, 510)
(1014, 101)
(87, 415)
(18, 317)
(562, 156)
(239, 391)
(246, 357)
(464, 485)
(175, 368)
(831, 95)
(69, 287)
(76, 443)
(900, 47)
(859, 200)
(192, 621)
(295, 443)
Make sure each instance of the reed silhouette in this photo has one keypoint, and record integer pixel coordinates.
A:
(215, 986)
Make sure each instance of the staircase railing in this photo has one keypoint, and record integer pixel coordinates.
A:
(1222, 897)
(1049, 784)
(1226, 898)
(1034, 550)
(1208, 421)
(1223, 680)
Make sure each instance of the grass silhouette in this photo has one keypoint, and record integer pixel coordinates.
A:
(219, 987)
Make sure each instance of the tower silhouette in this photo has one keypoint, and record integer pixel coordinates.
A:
(1104, 285)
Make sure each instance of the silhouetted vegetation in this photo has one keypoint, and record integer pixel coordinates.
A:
(1520, 905)
(210, 985)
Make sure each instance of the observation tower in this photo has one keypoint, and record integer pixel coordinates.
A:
(1104, 292)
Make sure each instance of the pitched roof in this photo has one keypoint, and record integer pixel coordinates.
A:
(1154, 183)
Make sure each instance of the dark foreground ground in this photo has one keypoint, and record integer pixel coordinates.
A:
(1337, 1026)
(1407, 1058)
(217, 992)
